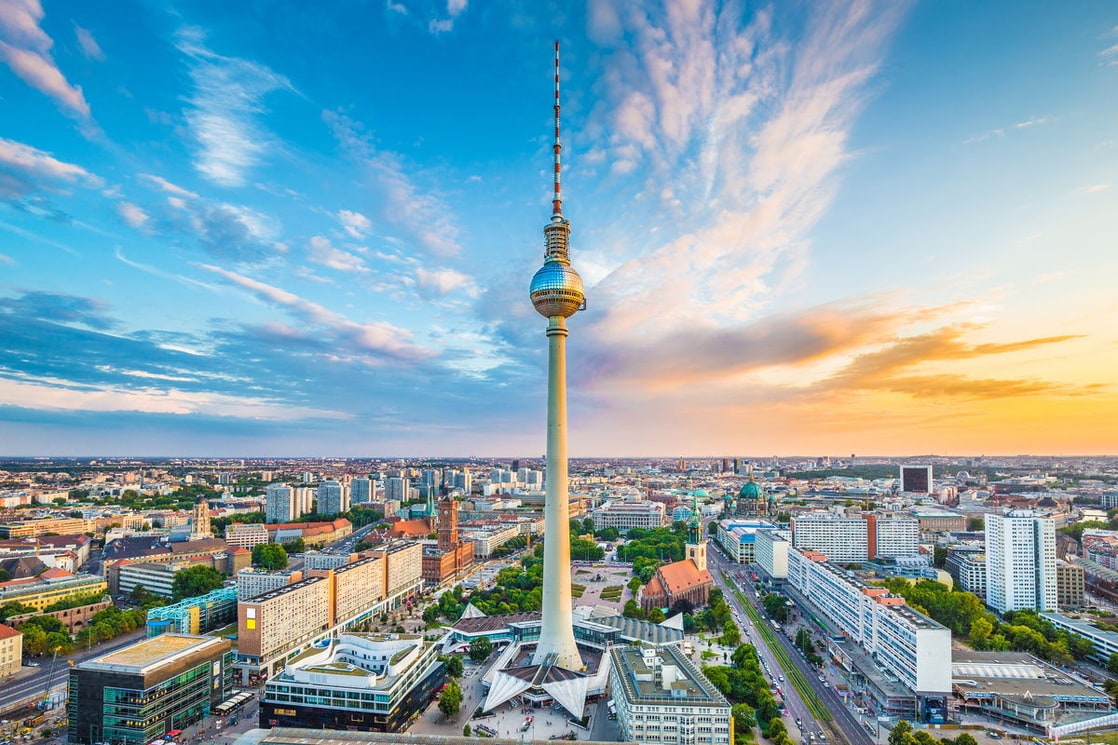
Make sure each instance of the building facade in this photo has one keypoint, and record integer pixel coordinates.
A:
(279, 504)
(1070, 585)
(770, 548)
(135, 695)
(900, 640)
(332, 498)
(624, 515)
(661, 697)
(844, 540)
(11, 651)
(1020, 562)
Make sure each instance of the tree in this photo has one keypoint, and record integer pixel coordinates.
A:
(901, 734)
(196, 580)
(1112, 664)
(296, 546)
(776, 606)
(965, 738)
(269, 556)
(480, 649)
(656, 615)
(466, 731)
(451, 699)
(454, 666)
(731, 634)
(631, 609)
(974, 525)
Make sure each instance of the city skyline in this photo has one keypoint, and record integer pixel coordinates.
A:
(849, 227)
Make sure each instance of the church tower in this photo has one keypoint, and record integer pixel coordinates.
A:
(696, 548)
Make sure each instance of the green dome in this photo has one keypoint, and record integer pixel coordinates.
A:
(751, 490)
(700, 493)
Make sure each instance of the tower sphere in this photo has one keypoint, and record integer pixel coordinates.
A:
(556, 290)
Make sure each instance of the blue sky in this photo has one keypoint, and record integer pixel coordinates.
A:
(294, 228)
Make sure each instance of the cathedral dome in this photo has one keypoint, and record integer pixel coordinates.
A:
(751, 490)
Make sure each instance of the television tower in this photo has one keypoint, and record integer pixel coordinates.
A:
(557, 294)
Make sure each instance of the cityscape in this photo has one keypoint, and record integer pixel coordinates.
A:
(295, 274)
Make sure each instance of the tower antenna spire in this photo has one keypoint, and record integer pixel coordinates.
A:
(557, 148)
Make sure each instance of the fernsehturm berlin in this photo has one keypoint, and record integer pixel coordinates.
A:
(557, 294)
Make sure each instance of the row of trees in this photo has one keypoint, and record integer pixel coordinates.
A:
(903, 734)
(647, 549)
(744, 685)
(966, 616)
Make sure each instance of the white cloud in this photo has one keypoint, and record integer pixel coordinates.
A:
(321, 251)
(228, 98)
(24, 161)
(25, 47)
(89, 46)
(378, 338)
(445, 281)
(1097, 188)
(132, 214)
(167, 186)
(5, 259)
(748, 127)
(397, 8)
(455, 7)
(354, 223)
(440, 25)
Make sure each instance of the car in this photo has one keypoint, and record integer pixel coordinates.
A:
(822, 736)
(781, 678)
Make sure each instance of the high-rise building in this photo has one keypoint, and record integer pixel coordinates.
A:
(361, 490)
(332, 498)
(200, 521)
(843, 539)
(397, 488)
(557, 294)
(1020, 562)
(278, 505)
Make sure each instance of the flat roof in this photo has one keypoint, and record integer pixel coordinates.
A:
(146, 654)
(690, 689)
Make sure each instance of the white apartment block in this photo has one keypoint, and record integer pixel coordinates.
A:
(362, 490)
(253, 582)
(623, 515)
(770, 552)
(269, 626)
(895, 536)
(660, 697)
(844, 540)
(246, 535)
(1020, 562)
(279, 506)
(332, 498)
(907, 643)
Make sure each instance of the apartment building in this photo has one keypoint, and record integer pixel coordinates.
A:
(661, 697)
(844, 540)
(770, 550)
(892, 536)
(738, 538)
(1070, 585)
(271, 625)
(967, 566)
(898, 639)
(359, 586)
(252, 582)
(1020, 562)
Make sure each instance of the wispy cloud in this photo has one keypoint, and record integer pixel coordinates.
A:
(25, 169)
(749, 128)
(165, 185)
(25, 47)
(380, 339)
(225, 108)
(89, 46)
(423, 216)
(1094, 188)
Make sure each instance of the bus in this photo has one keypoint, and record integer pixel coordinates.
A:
(775, 624)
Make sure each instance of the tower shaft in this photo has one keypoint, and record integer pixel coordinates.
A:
(557, 635)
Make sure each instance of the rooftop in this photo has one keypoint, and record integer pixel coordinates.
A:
(663, 675)
(144, 655)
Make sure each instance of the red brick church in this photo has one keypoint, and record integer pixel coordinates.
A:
(681, 580)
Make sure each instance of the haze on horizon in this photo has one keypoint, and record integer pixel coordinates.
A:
(868, 227)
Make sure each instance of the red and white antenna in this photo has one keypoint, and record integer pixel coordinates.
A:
(557, 199)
